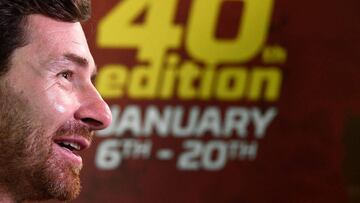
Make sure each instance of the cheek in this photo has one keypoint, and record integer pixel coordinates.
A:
(62, 104)
(60, 108)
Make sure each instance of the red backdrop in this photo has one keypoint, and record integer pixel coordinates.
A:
(308, 68)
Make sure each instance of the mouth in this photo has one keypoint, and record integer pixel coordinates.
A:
(73, 144)
(69, 146)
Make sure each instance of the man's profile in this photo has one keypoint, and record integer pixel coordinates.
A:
(49, 107)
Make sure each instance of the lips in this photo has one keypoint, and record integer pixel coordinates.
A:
(67, 148)
(73, 143)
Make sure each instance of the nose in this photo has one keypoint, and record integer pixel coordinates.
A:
(93, 110)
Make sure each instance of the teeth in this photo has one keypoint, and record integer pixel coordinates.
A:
(75, 146)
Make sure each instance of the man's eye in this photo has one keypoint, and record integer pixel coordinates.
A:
(67, 75)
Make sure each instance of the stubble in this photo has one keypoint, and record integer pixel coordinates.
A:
(29, 168)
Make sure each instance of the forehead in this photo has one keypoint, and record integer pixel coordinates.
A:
(51, 39)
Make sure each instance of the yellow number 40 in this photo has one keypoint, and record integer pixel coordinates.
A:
(158, 33)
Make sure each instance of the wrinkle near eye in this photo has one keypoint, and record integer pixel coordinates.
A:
(57, 84)
(49, 87)
(45, 91)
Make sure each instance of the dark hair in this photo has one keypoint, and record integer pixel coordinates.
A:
(13, 15)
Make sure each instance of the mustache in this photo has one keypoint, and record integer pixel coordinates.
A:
(71, 128)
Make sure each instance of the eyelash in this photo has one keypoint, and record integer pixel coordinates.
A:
(66, 74)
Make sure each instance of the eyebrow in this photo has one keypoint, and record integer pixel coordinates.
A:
(80, 61)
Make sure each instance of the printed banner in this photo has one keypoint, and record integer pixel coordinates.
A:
(222, 100)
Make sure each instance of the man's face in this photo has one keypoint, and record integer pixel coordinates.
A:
(49, 109)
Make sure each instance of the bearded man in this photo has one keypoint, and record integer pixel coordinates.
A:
(49, 107)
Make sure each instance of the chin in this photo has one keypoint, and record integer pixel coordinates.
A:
(65, 184)
(58, 179)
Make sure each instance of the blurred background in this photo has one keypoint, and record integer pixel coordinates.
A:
(252, 101)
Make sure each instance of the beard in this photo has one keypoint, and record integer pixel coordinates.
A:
(30, 168)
